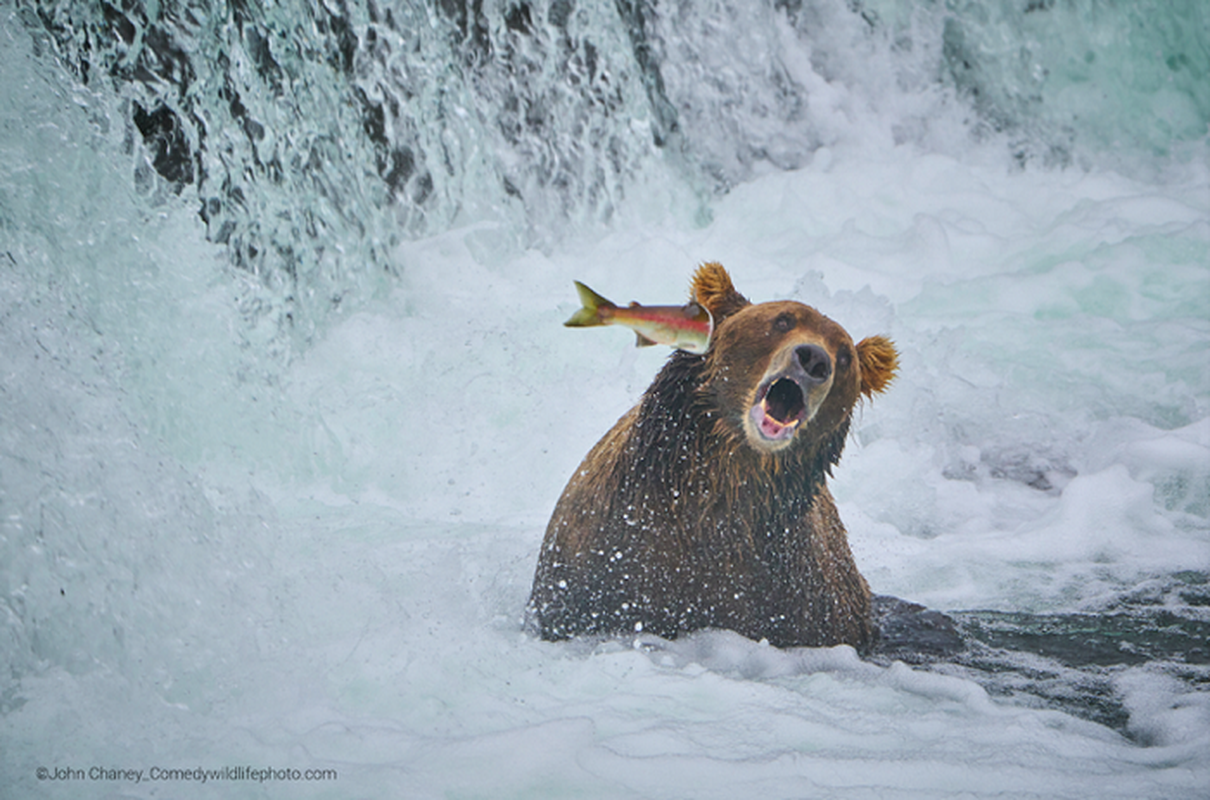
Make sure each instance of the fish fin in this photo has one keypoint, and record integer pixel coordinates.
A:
(642, 341)
(589, 315)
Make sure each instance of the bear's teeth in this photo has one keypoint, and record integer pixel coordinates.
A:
(786, 404)
(771, 426)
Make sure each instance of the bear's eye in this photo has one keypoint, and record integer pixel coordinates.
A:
(784, 323)
(844, 357)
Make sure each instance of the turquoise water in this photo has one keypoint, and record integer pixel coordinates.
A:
(286, 400)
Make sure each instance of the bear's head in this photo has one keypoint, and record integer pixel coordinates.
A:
(778, 373)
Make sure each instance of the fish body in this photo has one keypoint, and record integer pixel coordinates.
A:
(686, 327)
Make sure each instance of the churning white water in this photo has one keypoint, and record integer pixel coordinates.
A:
(273, 475)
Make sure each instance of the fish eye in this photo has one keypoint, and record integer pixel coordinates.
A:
(784, 323)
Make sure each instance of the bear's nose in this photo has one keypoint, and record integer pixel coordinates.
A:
(815, 362)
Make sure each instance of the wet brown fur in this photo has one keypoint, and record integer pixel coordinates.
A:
(675, 522)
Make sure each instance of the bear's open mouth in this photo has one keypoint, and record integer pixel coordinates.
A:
(780, 409)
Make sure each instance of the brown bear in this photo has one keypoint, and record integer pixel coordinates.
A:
(706, 505)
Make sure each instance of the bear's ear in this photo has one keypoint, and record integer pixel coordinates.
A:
(879, 361)
(713, 289)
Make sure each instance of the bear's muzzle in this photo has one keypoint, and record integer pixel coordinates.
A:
(788, 396)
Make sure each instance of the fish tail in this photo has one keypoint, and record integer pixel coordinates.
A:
(590, 314)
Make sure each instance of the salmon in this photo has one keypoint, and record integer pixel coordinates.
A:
(686, 327)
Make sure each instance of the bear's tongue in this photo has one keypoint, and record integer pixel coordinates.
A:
(781, 409)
